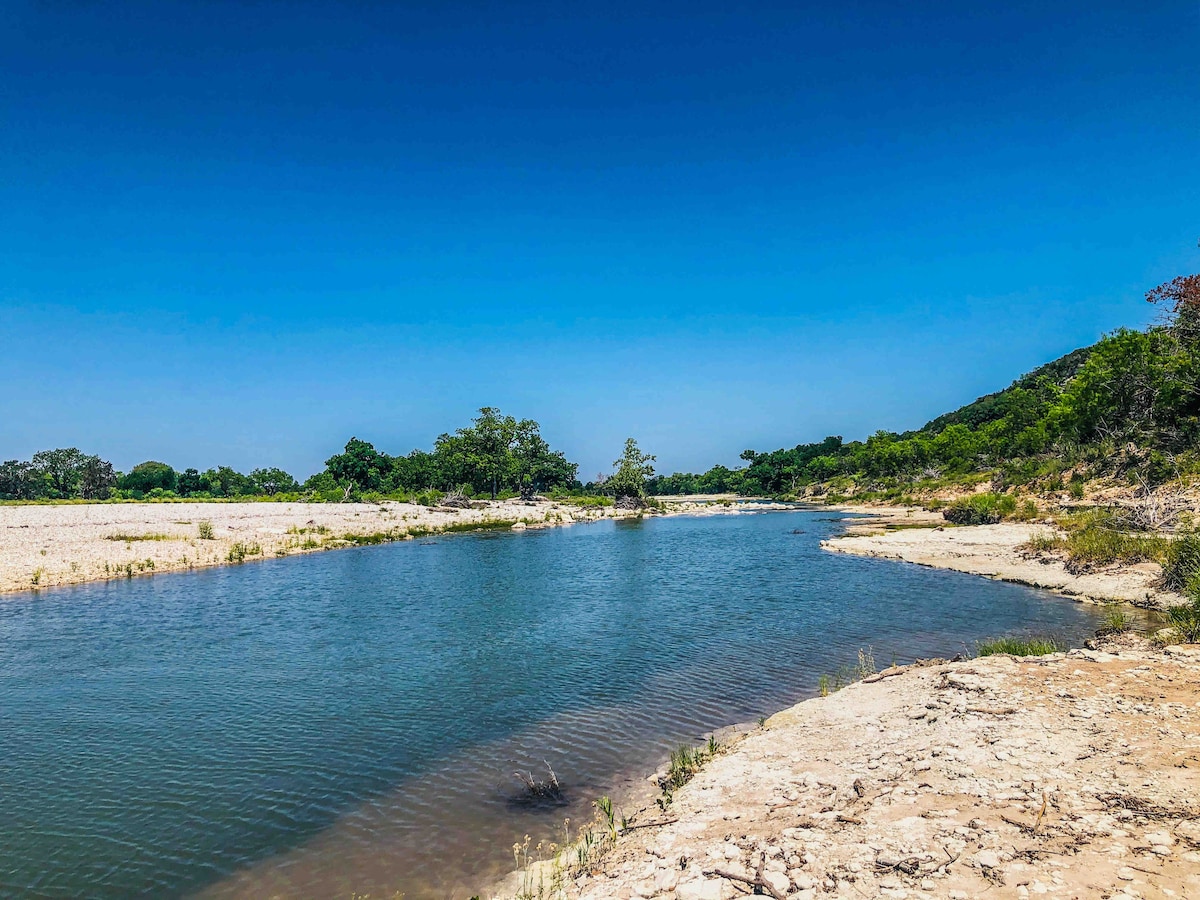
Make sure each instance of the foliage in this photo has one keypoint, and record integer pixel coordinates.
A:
(495, 455)
(62, 474)
(980, 509)
(1020, 646)
(1181, 565)
(1185, 619)
(1117, 620)
(272, 481)
(149, 476)
(632, 470)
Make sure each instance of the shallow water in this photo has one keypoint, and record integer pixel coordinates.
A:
(351, 721)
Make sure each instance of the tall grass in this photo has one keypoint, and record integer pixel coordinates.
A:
(1020, 646)
(981, 509)
(1185, 620)
(1181, 565)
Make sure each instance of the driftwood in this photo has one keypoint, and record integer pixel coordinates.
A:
(456, 500)
(757, 882)
(649, 825)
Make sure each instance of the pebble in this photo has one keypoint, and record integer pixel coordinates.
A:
(988, 859)
(777, 880)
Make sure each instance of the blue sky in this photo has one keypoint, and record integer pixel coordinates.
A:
(239, 233)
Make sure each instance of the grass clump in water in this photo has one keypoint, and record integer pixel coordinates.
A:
(831, 683)
(1117, 620)
(539, 792)
(1020, 645)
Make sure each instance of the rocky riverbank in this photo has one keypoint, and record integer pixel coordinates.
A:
(1070, 775)
(917, 536)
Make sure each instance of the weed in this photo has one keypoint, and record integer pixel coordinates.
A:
(36, 578)
(980, 509)
(309, 529)
(1020, 646)
(1185, 620)
(239, 551)
(541, 791)
(206, 530)
(1116, 620)
(1043, 541)
(128, 538)
(1181, 562)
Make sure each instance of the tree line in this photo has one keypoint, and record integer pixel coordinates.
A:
(495, 456)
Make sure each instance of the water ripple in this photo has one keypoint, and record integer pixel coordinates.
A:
(351, 721)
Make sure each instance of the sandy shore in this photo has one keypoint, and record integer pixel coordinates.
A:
(1073, 775)
(47, 546)
(993, 551)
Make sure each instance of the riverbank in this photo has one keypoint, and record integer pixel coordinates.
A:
(52, 545)
(1068, 775)
(915, 535)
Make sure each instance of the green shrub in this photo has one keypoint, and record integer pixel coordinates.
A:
(1102, 545)
(206, 530)
(1044, 542)
(980, 509)
(1185, 620)
(1020, 646)
(1116, 620)
(1181, 563)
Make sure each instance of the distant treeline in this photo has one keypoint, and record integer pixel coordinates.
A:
(1129, 405)
(496, 455)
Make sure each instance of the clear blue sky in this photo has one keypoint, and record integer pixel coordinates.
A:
(239, 233)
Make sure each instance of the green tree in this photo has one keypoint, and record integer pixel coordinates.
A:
(272, 481)
(61, 470)
(359, 466)
(20, 481)
(628, 483)
(147, 476)
(96, 478)
(489, 445)
(190, 482)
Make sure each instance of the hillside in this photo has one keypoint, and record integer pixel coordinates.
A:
(1124, 411)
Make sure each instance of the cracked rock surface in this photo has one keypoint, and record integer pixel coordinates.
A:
(1071, 775)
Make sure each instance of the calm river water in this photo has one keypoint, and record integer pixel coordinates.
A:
(350, 722)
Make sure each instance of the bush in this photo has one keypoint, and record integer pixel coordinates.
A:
(980, 509)
(1101, 545)
(1186, 621)
(1182, 562)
